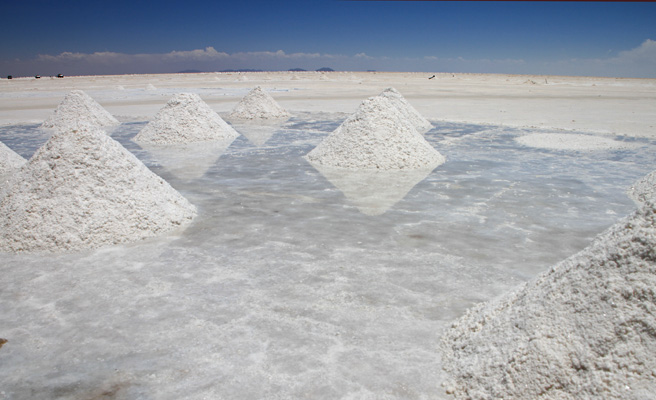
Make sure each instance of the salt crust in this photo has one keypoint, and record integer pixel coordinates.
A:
(185, 118)
(409, 112)
(585, 329)
(258, 104)
(78, 111)
(9, 160)
(84, 190)
(376, 136)
(570, 141)
(644, 190)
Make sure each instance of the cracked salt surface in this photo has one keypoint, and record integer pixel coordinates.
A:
(283, 287)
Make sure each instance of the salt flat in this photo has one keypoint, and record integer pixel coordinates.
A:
(607, 105)
(286, 285)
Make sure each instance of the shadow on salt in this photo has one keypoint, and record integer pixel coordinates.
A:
(188, 160)
(373, 192)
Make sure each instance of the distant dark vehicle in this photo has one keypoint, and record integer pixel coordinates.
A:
(9, 77)
(60, 76)
(37, 76)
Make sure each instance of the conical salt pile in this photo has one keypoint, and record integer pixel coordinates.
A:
(644, 190)
(77, 110)
(84, 190)
(376, 136)
(258, 104)
(186, 118)
(9, 160)
(409, 112)
(584, 330)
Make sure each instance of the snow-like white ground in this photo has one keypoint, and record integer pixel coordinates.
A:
(285, 287)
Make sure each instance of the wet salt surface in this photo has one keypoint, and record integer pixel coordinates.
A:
(283, 287)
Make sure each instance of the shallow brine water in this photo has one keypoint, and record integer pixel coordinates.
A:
(298, 283)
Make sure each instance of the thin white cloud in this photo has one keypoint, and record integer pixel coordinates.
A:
(280, 55)
(93, 57)
(209, 53)
(637, 62)
(207, 59)
(646, 52)
(478, 61)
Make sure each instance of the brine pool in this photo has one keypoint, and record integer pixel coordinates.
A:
(300, 283)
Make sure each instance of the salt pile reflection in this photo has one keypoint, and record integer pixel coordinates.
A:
(373, 192)
(188, 160)
(259, 132)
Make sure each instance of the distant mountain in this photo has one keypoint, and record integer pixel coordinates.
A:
(325, 69)
(242, 70)
(297, 70)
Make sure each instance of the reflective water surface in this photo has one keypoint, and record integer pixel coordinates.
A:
(296, 281)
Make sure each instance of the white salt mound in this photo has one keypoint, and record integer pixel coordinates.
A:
(570, 141)
(186, 118)
(585, 329)
(409, 112)
(79, 110)
(644, 190)
(9, 160)
(376, 136)
(84, 190)
(258, 104)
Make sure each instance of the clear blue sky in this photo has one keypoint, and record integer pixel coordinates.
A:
(88, 37)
